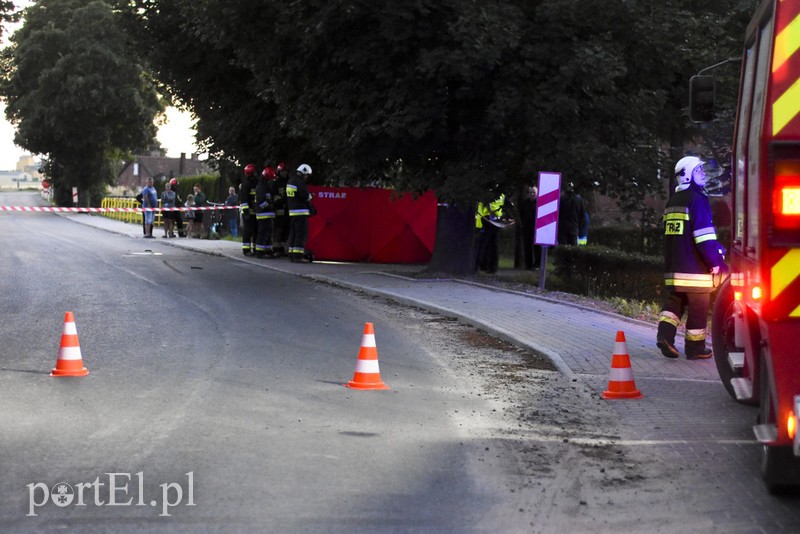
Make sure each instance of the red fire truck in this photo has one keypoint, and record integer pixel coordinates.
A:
(756, 316)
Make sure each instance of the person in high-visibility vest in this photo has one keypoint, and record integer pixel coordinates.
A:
(487, 257)
(693, 257)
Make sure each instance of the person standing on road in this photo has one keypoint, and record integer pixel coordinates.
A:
(231, 214)
(265, 213)
(177, 216)
(199, 215)
(149, 200)
(570, 215)
(298, 200)
(281, 226)
(487, 256)
(693, 259)
(168, 199)
(531, 253)
(247, 203)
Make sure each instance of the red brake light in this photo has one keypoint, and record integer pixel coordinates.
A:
(786, 199)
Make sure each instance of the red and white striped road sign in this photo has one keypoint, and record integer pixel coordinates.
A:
(547, 208)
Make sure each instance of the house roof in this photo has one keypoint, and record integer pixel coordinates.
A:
(157, 167)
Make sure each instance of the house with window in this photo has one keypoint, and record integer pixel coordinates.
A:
(160, 168)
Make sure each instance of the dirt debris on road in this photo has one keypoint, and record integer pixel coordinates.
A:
(551, 441)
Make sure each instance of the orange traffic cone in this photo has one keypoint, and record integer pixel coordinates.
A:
(69, 361)
(621, 384)
(368, 374)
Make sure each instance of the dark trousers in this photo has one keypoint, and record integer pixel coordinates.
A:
(678, 302)
(531, 254)
(249, 233)
(487, 258)
(264, 235)
(281, 232)
(298, 235)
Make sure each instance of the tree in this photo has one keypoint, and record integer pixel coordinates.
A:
(76, 93)
(8, 14)
(451, 95)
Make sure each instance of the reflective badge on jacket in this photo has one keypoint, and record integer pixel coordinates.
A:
(675, 220)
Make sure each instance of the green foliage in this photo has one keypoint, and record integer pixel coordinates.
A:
(76, 92)
(451, 95)
(648, 240)
(8, 14)
(603, 272)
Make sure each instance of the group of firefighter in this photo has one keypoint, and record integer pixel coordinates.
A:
(275, 205)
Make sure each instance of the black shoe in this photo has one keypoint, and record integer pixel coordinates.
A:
(247, 253)
(667, 348)
(704, 354)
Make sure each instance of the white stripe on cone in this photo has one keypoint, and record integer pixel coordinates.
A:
(69, 353)
(367, 367)
(368, 341)
(624, 374)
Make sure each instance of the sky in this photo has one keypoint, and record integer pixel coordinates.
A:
(175, 136)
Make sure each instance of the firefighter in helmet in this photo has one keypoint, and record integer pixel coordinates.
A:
(265, 213)
(281, 225)
(694, 262)
(247, 203)
(298, 201)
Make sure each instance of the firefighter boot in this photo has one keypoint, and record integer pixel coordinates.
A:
(697, 350)
(665, 339)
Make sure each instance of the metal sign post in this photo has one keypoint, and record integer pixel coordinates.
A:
(547, 217)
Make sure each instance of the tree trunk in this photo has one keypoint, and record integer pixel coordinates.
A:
(453, 250)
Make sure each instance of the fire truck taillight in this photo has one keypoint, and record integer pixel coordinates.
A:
(786, 202)
(791, 425)
(756, 293)
(785, 195)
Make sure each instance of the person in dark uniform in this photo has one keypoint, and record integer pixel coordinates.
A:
(265, 213)
(247, 203)
(693, 259)
(281, 225)
(531, 253)
(298, 201)
(570, 215)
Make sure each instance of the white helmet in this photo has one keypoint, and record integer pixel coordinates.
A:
(685, 167)
(304, 169)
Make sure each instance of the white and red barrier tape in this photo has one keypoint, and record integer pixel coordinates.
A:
(107, 210)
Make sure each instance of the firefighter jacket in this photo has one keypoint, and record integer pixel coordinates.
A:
(263, 200)
(247, 196)
(691, 248)
(279, 193)
(298, 199)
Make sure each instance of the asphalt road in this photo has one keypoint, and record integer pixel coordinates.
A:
(215, 393)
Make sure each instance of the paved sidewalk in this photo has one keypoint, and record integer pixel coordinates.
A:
(577, 339)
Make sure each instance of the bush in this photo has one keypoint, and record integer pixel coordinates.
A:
(649, 240)
(599, 271)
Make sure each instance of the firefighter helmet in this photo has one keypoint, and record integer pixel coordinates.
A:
(304, 169)
(685, 167)
(249, 170)
(173, 182)
(268, 173)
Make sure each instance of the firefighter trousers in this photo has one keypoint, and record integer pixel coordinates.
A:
(678, 302)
